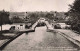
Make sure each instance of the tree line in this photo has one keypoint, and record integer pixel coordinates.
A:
(74, 15)
(4, 17)
(30, 17)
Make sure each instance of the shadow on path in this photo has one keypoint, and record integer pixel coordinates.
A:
(2, 37)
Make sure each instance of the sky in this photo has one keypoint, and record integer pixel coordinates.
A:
(35, 5)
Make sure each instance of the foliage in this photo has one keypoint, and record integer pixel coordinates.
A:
(75, 7)
(50, 16)
(16, 19)
(4, 17)
(74, 11)
(74, 14)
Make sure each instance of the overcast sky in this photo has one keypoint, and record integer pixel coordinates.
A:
(35, 5)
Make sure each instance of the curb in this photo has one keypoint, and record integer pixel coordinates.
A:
(8, 41)
(76, 42)
(71, 39)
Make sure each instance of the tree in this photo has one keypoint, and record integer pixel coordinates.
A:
(4, 18)
(74, 13)
(16, 19)
(50, 16)
(33, 17)
(75, 7)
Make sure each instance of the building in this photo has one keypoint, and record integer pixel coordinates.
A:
(21, 26)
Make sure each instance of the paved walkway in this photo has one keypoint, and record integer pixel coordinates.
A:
(33, 39)
(7, 35)
(72, 36)
(40, 40)
(70, 33)
(5, 38)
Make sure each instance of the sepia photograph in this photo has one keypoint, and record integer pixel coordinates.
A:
(39, 25)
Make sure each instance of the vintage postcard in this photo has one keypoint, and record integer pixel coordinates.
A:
(39, 25)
